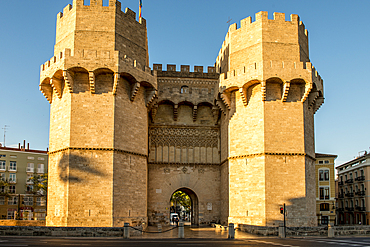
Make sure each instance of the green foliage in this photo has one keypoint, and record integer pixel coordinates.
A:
(181, 198)
(40, 184)
(5, 184)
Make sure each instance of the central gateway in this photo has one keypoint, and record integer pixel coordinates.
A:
(238, 137)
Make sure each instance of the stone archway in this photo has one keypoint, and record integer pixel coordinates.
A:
(194, 208)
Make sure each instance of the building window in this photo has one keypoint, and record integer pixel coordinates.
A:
(29, 179)
(2, 155)
(350, 176)
(29, 188)
(355, 174)
(2, 176)
(2, 189)
(41, 158)
(184, 89)
(30, 167)
(30, 158)
(321, 162)
(13, 200)
(362, 172)
(11, 213)
(13, 166)
(28, 200)
(12, 189)
(2, 165)
(2, 200)
(326, 161)
(324, 220)
(40, 168)
(40, 201)
(12, 178)
(324, 193)
(324, 175)
(324, 207)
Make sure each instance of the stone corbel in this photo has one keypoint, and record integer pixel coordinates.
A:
(68, 79)
(195, 112)
(243, 95)
(175, 108)
(221, 105)
(134, 89)
(308, 88)
(285, 91)
(47, 91)
(226, 99)
(92, 82)
(263, 90)
(312, 99)
(57, 86)
(115, 83)
(150, 96)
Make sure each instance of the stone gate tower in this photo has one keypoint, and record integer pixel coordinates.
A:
(238, 139)
(99, 85)
(269, 92)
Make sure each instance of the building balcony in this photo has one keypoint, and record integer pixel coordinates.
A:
(341, 195)
(360, 178)
(360, 193)
(349, 195)
(349, 209)
(360, 208)
(349, 181)
(340, 183)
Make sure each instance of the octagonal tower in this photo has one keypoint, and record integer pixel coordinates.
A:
(268, 93)
(99, 86)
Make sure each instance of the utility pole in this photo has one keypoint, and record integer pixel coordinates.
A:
(5, 129)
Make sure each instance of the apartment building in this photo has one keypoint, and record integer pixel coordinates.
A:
(18, 200)
(325, 188)
(353, 198)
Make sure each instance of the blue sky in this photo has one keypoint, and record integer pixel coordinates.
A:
(191, 32)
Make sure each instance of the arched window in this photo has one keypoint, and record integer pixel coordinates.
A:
(184, 89)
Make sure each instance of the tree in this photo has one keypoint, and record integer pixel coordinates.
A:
(4, 187)
(181, 198)
(40, 185)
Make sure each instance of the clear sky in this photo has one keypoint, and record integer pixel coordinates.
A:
(191, 32)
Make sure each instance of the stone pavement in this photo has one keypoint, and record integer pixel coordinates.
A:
(191, 232)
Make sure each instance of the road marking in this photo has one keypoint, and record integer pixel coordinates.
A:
(340, 242)
(272, 243)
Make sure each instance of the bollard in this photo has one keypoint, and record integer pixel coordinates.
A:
(330, 231)
(181, 230)
(281, 231)
(126, 230)
(231, 234)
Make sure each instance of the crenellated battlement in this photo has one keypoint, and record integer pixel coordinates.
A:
(264, 31)
(66, 59)
(198, 71)
(97, 5)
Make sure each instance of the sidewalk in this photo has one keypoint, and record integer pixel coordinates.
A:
(191, 232)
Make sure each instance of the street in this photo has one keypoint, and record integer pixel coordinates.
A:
(258, 242)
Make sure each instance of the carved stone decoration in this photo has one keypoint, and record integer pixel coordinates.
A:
(184, 169)
(166, 170)
(184, 137)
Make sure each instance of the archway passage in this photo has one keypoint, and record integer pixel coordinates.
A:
(184, 205)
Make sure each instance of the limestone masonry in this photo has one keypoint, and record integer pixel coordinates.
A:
(238, 139)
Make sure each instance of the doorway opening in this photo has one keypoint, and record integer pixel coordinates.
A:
(184, 206)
